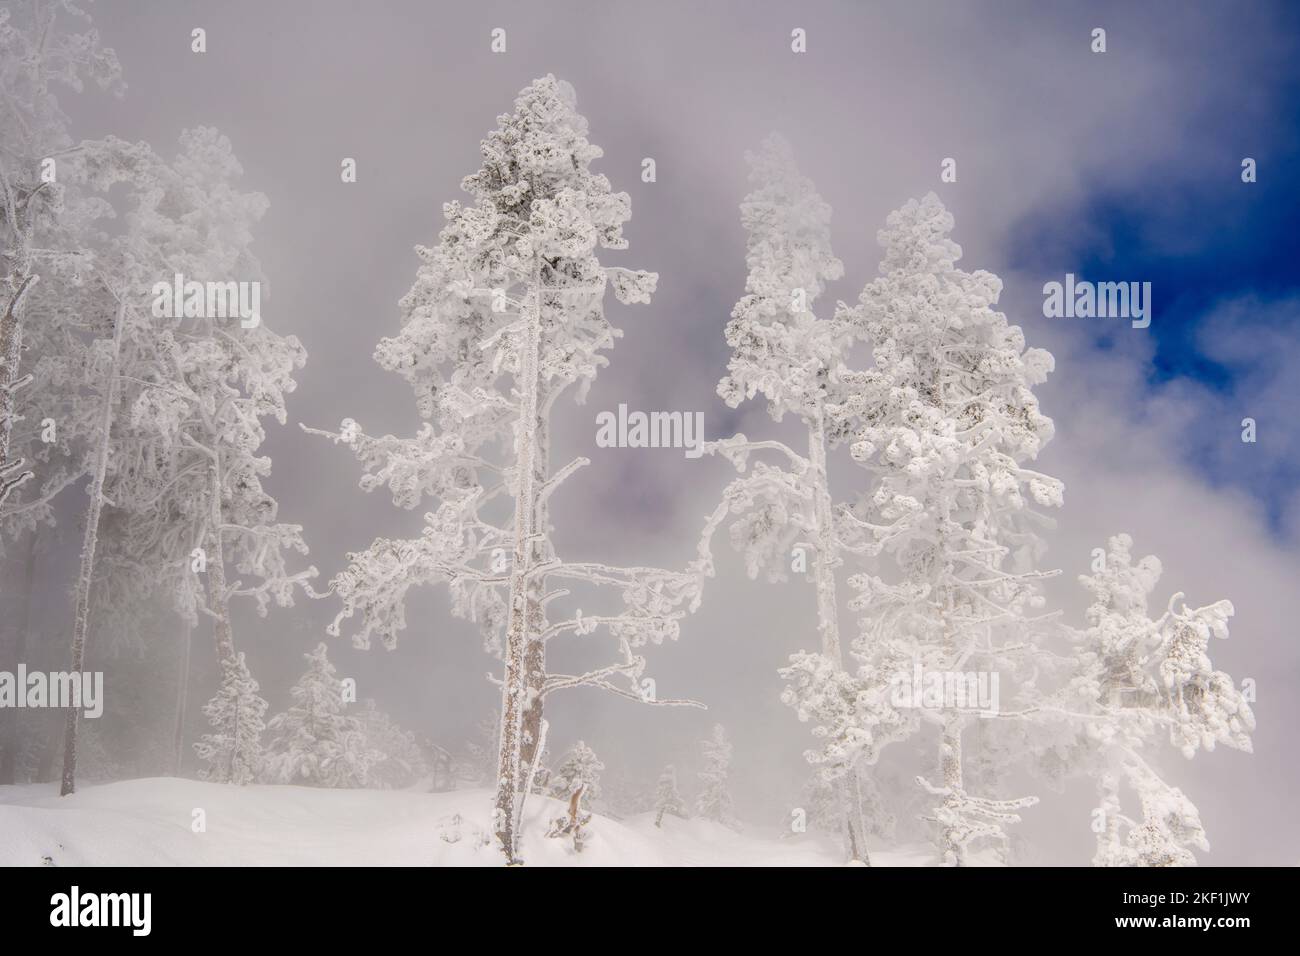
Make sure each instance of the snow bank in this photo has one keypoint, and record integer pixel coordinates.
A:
(148, 822)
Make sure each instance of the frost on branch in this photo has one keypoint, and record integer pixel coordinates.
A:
(507, 311)
(44, 47)
(852, 715)
(964, 819)
(1137, 682)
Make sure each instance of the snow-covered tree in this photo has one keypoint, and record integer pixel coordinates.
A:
(579, 771)
(316, 742)
(506, 315)
(402, 762)
(714, 802)
(1141, 680)
(853, 717)
(91, 320)
(44, 45)
(781, 350)
(667, 798)
(576, 782)
(945, 422)
(177, 397)
(189, 474)
(233, 751)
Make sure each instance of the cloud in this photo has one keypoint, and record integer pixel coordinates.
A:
(1122, 449)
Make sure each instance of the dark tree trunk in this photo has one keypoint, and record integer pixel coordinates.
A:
(12, 740)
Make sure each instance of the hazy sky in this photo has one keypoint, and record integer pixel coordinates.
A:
(1121, 166)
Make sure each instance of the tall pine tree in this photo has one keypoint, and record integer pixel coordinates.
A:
(796, 360)
(506, 315)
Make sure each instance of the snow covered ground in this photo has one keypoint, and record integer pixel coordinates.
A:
(148, 822)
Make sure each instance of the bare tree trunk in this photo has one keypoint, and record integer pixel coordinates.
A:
(855, 842)
(182, 695)
(514, 690)
(11, 350)
(89, 544)
(950, 773)
(53, 739)
(11, 742)
(532, 767)
(824, 567)
(218, 604)
(535, 656)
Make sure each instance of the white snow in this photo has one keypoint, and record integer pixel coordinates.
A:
(147, 822)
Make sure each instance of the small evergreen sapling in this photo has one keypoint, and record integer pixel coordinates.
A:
(579, 772)
(233, 751)
(316, 742)
(667, 798)
(576, 780)
(714, 802)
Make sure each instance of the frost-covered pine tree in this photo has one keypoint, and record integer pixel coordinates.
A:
(190, 472)
(402, 762)
(1143, 681)
(233, 751)
(43, 46)
(946, 423)
(316, 742)
(505, 316)
(178, 395)
(714, 802)
(98, 337)
(781, 350)
(667, 798)
(118, 337)
(579, 771)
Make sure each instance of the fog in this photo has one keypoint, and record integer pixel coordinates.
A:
(1038, 125)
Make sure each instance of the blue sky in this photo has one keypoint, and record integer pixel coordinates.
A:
(1221, 256)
